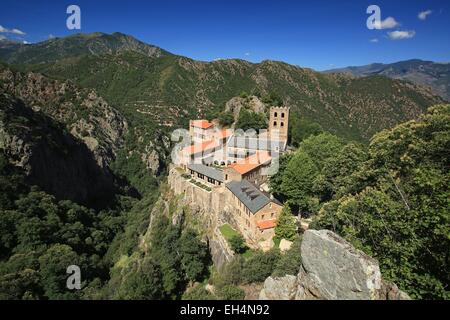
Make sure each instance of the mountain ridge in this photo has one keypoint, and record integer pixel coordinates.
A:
(435, 75)
(75, 45)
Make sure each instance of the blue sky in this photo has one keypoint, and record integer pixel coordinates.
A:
(320, 34)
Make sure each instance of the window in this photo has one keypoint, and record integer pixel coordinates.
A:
(282, 115)
(282, 124)
(274, 123)
(262, 217)
(275, 114)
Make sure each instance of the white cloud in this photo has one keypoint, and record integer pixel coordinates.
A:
(248, 54)
(18, 32)
(25, 42)
(13, 31)
(51, 36)
(2, 37)
(375, 40)
(388, 23)
(424, 15)
(401, 35)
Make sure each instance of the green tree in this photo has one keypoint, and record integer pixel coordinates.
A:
(276, 180)
(226, 119)
(260, 266)
(53, 265)
(299, 176)
(286, 227)
(322, 147)
(336, 178)
(298, 180)
(237, 243)
(244, 95)
(273, 99)
(302, 128)
(251, 120)
(195, 255)
(142, 283)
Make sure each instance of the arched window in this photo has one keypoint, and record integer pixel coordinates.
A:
(275, 114)
(282, 124)
(274, 123)
(282, 115)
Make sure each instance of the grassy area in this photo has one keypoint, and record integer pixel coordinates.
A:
(277, 241)
(228, 232)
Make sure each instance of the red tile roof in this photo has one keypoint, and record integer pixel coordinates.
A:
(200, 147)
(267, 224)
(203, 124)
(251, 163)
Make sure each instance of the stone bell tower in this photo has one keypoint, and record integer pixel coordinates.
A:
(279, 122)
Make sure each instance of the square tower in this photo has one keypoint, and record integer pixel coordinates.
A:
(279, 122)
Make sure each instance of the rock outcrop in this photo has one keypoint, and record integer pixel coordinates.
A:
(332, 269)
(50, 157)
(85, 114)
(252, 103)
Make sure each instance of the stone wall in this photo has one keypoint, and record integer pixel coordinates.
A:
(208, 207)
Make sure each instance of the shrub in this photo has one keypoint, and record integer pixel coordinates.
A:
(289, 263)
(237, 243)
(260, 266)
(230, 292)
(198, 293)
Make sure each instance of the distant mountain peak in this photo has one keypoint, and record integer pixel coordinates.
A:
(75, 45)
(421, 72)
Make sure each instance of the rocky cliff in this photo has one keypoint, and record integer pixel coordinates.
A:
(85, 114)
(50, 156)
(332, 270)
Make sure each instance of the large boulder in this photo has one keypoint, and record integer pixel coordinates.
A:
(332, 269)
(336, 270)
(279, 288)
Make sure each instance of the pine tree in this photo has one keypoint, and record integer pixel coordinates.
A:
(287, 225)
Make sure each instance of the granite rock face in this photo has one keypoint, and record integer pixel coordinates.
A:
(50, 157)
(336, 269)
(237, 103)
(279, 288)
(332, 269)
